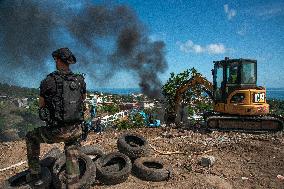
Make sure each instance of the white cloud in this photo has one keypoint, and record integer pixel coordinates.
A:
(198, 48)
(190, 47)
(229, 12)
(265, 11)
(216, 48)
(270, 11)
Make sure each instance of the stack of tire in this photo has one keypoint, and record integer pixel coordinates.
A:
(146, 168)
(86, 156)
(95, 165)
(53, 169)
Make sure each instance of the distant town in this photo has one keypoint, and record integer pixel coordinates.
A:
(19, 110)
(111, 107)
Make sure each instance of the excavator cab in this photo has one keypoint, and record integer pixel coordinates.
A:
(232, 74)
(235, 90)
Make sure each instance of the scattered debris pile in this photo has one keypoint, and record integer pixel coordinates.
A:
(108, 169)
(242, 160)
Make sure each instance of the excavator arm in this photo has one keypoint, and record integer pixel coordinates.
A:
(192, 82)
(195, 80)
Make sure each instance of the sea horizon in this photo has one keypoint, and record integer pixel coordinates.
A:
(272, 93)
(119, 91)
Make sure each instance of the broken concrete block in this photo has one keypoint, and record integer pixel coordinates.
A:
(280, 177)
(207, 161)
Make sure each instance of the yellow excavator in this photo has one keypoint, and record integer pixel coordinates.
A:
(239, 104)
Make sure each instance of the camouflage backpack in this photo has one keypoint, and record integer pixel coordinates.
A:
(66, 106)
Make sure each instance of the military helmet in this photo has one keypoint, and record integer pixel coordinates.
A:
(65, 55)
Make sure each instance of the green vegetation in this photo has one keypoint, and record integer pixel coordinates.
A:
(193, 97)
(108, 108)
(19, 118)
(123, 124)
(2, 123)
(202, 106)
(127, 98)
(137, 120)
(175, 82)
(134, 121)
(33, 107)
(276, 106)
(20, 92)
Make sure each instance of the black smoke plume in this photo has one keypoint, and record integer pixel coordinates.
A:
(30, 31)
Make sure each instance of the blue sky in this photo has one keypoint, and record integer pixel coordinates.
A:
(198, 32)
(195, 33)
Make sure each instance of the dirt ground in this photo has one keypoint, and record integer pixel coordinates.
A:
(242, 160)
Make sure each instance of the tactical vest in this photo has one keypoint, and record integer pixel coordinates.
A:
(66, 105)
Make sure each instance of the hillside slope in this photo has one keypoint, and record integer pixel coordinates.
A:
(242, 160)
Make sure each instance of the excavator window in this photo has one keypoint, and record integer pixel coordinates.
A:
(219, 81)
(238, 98)
(232, 73)
(249, 73)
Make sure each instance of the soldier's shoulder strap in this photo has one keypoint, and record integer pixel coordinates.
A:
(80, 75)
(53, 74)
(49, 78)
(82, 83)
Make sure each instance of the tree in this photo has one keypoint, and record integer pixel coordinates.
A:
(108, 108)
(192, 96)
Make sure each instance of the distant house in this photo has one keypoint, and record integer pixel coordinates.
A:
(137, 95)
(100, 99)
(128, 106)
(107, 103)
(21, 102)
(97, 98)
(112, 118)
(147, 104)
(3, 97)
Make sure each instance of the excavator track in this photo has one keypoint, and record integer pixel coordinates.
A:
(267, 123)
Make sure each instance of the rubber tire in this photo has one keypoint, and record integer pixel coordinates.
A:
(155, 170)
(46, 178)
(86, 178)
(50, 157)
(93, 151)
(140, 149)
(113, 168)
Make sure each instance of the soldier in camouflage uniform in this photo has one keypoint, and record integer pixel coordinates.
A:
(56, 131)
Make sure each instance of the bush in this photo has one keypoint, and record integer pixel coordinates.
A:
(33, 107)
(137, 120)
(124, 124)
(111, 109)
(2, 123)
(134, 121)
(276, 106)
